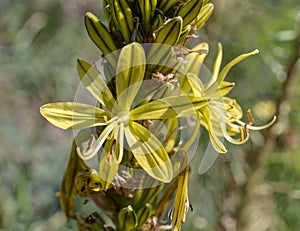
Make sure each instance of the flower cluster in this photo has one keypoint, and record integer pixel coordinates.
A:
(145, 96)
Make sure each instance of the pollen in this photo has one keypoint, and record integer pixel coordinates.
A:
(105, 118)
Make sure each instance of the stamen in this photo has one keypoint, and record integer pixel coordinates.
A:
(233, 102)
(88, 154)
(112, 119)
(257, 128)
(246, 128)
(105, 118)
(108, 158)
(242, 135)
(250, 117)
(91, 141)
(232, 140)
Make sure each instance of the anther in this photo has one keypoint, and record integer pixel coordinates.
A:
(250, 117)
(91, 142)
(242, 136)
(105, 118)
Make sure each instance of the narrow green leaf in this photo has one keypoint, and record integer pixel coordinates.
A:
(170, 107)
(70, 115)
(95, 84)
(149, 152)
(130, 73)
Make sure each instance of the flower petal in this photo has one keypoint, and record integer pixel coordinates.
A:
(70, 115)
(119, 137)
(195, 84)
(94, 83)
(217, 65)
(107, 170)
(149, 152)
(90, 152)
(194, 62)
(196, 59)
(217, 91)
(235, 61)
(206, 120)
(130, 73)
(169, 107)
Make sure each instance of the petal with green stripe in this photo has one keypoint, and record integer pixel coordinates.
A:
(70, 115)
(149, 152)
(130, 73)
(94, 83)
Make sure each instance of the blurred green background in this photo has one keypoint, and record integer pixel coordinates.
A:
(255, 187)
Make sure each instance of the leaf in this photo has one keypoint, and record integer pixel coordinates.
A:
(170, 107)
(94, 83)
(130, 73)
(149, 152)
(70, 115)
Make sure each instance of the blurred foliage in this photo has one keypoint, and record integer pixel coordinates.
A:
(39, 44)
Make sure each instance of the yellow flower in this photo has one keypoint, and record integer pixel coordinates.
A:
(222, 115)
(119, 118)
